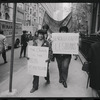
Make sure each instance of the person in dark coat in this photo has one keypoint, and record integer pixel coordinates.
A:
(94, 67)
(24, 42)
(41, 41)
(63, 61)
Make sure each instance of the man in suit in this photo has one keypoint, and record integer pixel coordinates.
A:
(24, 40)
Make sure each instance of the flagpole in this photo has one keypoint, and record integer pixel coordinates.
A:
(12, 49)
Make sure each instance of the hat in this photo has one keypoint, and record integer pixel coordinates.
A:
(24, 31)
(41, 31)
(45, 26)
(63, 28)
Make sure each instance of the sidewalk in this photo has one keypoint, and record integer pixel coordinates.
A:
(77, 80)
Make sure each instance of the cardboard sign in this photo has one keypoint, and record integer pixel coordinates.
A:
(65, 43)
(37, 64)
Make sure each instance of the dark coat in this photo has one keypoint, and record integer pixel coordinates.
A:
(94, 68)
(24, 40)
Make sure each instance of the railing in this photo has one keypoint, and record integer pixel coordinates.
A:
(85, 44)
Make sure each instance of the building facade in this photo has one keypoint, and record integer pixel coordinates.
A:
(29, 14)
(5, 11)
(95, 20)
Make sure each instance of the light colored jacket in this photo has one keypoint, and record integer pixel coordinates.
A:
(2, 42)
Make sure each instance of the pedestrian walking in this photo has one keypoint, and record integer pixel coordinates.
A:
(3, 46)
(24, 43)
(63, 61)
(48, 37)
(40, 41)
(94, 66)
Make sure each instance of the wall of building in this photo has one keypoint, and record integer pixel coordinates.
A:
(95, 24)
(30, 14)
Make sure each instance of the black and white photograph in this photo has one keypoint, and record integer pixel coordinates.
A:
(49, 49)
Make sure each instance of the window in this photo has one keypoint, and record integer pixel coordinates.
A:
(7, 16)
(30, 11)
(6, 4)
(0, 15)
(26, 7)
(40, 20)
(0, 5)
(34, 14)
(34, 20)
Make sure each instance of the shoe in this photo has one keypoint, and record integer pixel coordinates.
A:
(24, 56)
(64, 84)
(33, 90)
(45, 78)
(27, 58)
(76, 58)
(60, 81)
(48, 82)
(5, 62)
(20, 57)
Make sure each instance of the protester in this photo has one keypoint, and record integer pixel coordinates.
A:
(3, 45)
(48, 37)
(40, 41)
(63, 61)
(35, 36)
(24, 43)
(94, 66)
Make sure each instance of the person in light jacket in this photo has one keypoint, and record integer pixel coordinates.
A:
(3, 46)
(41, 41)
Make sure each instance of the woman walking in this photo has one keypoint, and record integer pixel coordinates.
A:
(63, 61)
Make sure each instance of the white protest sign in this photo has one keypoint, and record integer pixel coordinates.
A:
(65, 43)
(37, 64)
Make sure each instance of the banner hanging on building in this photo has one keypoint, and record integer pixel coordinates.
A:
(37, 64)
(65, 43)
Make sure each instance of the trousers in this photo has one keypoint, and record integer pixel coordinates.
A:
(63, 66)
(4, 55)
(23, 48)
(36, 79)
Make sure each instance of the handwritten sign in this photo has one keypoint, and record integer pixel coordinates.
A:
(65, 43)
(36, 63)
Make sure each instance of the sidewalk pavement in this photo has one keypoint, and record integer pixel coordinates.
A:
(77, 80)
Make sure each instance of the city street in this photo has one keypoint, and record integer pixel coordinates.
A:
(22, 81)
(22, 22)
(5, 68)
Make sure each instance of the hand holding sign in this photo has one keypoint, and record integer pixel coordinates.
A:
(37, 64)
(66, 43)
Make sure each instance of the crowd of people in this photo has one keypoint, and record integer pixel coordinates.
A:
(41, 38)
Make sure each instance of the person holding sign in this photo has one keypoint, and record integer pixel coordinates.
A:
(40, 41)
(63, 61)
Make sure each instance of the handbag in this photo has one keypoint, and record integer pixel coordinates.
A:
(86, 67)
